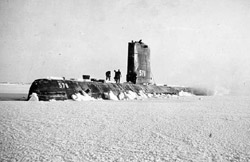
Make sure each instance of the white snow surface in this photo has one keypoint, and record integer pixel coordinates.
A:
(182, 93)
(164, 129)
(82, 97)
(34, 97)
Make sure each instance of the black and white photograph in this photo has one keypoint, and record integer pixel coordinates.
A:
(124, 81)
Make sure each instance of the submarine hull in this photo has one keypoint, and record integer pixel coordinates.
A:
(47, 89)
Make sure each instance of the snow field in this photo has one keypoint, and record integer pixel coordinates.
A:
(169, 129)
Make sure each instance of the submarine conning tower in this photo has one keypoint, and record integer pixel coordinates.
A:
(139, 70)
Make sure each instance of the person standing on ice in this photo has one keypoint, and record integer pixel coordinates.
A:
(117, 76)
(108, 75)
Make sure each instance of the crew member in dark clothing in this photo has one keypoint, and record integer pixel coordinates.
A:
(117, 76)
(108, 75)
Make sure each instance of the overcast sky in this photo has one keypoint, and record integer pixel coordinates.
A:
(192, 42)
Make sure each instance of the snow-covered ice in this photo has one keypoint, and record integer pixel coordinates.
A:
(34, 97)
(213, 128)
(83, 96)
(181, 93)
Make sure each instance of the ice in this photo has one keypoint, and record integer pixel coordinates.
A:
(83, 96)
(215, 128)
(121, 96)
(131, 95)
(221, 91)
(110, 96)
(34, 97)
(182, 93)
(54, 78)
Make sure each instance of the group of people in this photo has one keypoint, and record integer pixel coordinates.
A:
(117, 77)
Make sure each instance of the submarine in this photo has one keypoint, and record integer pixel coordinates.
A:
(138, 78)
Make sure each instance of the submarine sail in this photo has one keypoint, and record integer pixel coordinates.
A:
(138, 69)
